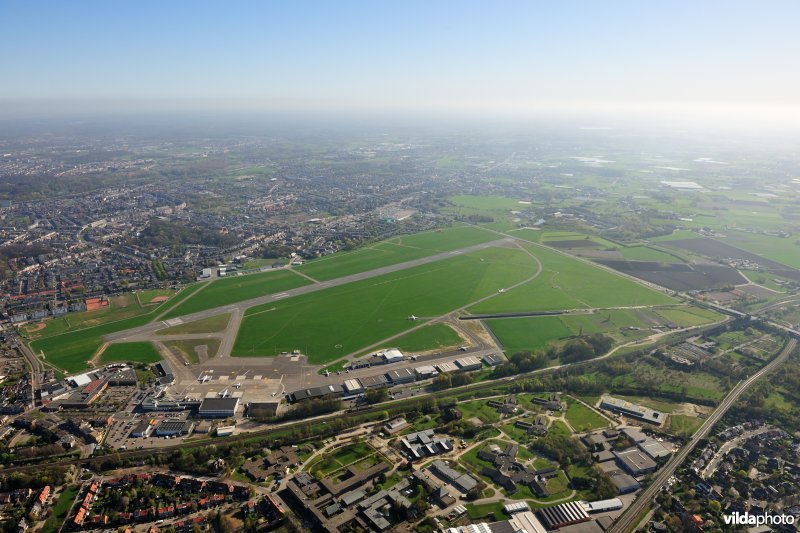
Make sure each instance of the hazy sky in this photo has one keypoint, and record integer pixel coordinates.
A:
(399, 55)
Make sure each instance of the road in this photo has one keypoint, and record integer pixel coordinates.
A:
(627, 521)
(240, 307)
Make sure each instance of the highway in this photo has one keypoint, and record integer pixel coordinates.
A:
(627, 521)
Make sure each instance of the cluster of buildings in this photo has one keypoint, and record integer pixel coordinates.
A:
(424, 444)
(508, 472)
(353, 387)
(624, 466)
(181, 496)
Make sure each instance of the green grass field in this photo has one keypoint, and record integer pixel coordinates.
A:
(528, 334)
(186, 348)
(333, 322)
(147, 297)
(226, 291)
(683, 425)
(394, 250)
(70, 350)
(581, 418)
(60, 509)
(689, 316)
(130, 352)
(207, 325)
(559, 428)
(120, 307)
(567, 283)
(479, 409)
(428, 338)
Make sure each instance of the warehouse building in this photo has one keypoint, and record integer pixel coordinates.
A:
(492, 359)
(401, 375)
(371, 382)
(316, 392)
(174, 428)
(632, 410)
(603, 506)
(446, 367)
(426, 371)
(469, 363)
(352, 386)
(564, 514)
(635, 461)
(218, 407)
(166, 375)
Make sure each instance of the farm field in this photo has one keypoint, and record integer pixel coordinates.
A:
(130, 352)
(567, 283)
(428, 338)
(207, 325)
(393, 251)
(782, 250)
(333, 322)
(238, 288)
(643, 253)
(188, 348)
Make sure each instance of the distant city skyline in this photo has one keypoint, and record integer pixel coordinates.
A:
(506, 58)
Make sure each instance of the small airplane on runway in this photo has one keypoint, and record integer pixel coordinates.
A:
(413, 318)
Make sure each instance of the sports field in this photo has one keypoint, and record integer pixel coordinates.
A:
(119, 308)
(333, 322)
(130, 352)
(393, 251)
(567, 283)
(238, 288)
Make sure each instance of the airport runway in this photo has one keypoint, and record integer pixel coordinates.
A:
(239, 308)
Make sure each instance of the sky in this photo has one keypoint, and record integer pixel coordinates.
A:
(401, 56)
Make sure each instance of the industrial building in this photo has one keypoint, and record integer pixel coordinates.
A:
(635, 461)
(426, 371)
(172, 428)
(316, 392)
(564, 514)
(468, 364)
(218, 407)
(142, 429)
(632, 410)
(166, 375)
(446, 367)
(603, 506)
(401, 375)
(370, 382)
(352, 386)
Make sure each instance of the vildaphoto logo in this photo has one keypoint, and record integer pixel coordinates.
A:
(747, 519)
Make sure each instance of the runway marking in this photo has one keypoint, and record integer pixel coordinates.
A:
(281, 295)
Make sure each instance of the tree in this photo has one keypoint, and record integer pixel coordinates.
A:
(372, 396)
